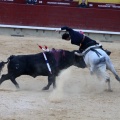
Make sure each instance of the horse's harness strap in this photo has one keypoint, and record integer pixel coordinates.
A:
(92, 49)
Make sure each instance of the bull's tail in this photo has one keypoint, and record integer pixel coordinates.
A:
(2, 64)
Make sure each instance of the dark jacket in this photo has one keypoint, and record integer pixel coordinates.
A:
(87, 42)
(76, 37)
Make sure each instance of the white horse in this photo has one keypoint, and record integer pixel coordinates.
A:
(98, 62)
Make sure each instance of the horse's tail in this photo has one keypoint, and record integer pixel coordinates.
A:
(2, 64)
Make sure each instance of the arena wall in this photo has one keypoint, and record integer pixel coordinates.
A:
(22, 17)
(57, 16)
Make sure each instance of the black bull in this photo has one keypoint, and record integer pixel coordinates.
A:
(35, 65)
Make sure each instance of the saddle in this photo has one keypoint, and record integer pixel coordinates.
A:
(93, 49)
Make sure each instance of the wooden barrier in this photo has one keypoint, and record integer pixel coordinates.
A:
(57, 16)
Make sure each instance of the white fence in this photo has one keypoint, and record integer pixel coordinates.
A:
(21, 31)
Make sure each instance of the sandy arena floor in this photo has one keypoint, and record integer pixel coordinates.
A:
(79, 97)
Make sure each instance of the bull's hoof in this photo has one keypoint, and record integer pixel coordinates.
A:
(17, 87)
(45, 88)
(109, 90)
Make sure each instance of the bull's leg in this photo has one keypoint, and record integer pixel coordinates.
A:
(54, 82)
(7, 77)
(14, 82)
(51, 79)
(4, 77)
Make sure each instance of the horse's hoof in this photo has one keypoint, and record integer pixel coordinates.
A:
(118, 78)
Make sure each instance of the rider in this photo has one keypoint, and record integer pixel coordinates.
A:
(79, 39)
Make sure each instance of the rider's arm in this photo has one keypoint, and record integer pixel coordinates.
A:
(66, 28)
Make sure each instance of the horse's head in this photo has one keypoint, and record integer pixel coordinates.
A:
(79, 61)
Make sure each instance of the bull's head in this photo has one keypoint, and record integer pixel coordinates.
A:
(79, 61)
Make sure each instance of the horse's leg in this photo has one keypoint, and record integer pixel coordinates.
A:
(50, 81)
(109, 85)
(91, 70)
(112, 69)
(102, 74)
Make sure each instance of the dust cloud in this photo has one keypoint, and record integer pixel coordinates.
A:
(57, 95)
(81, 84)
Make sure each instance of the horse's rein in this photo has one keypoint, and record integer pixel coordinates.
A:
(82, 40)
